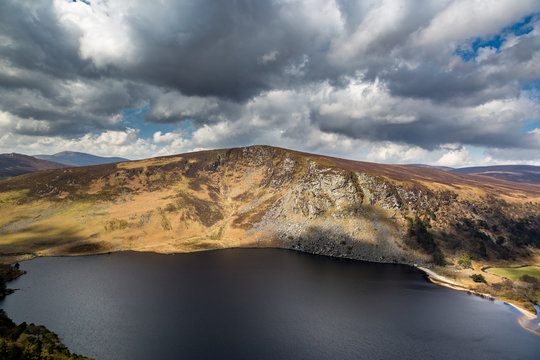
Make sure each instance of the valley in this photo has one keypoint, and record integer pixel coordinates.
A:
(263, 196)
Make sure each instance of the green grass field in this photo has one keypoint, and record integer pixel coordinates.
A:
(515, 273)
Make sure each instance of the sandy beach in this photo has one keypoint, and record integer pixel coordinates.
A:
(441, 280)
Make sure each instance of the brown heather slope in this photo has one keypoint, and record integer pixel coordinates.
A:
(266, 196)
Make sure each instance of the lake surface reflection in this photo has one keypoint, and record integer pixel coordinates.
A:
(259, 304)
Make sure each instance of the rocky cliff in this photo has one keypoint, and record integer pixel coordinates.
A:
(265, 196)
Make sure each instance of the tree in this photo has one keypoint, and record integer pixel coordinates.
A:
(479, 278)
(465, 261)
(2, 285)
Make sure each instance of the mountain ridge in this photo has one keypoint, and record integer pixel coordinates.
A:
(75, 158)
(520, 173)
(264, 195)
(14, 164)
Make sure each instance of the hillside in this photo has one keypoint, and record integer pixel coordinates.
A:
(265, 196)
(521, 173)
(17, 164)
(79, 159)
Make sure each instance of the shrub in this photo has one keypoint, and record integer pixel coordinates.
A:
(465, 261)
(418, 232)
(479, 278)
(438, 258)
(115, 224)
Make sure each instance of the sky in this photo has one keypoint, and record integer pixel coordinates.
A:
(445, 82)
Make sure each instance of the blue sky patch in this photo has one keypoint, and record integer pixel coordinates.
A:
(520, 28)
(187, 129)
(529, 125)
(532, 86)
(134, 118)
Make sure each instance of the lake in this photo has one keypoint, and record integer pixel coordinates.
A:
(259, 304)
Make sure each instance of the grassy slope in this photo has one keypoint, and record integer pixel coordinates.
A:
(515, 273)
(166, 204)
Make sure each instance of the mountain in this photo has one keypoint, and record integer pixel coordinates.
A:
(79, 159)
(17, 164)
(266, 196)
(521, 173)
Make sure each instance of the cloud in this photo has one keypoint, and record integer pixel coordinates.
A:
(166, 138)
(465, 19)
(120, 143)
(105, 36)
(386, 80)
(456, 156)
(397, 153)
(369, 111)
(268, 57)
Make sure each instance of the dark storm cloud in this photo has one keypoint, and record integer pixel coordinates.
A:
(40, 44)
(429, 133)
(470, 83)
(39, 61)
(220, 48)
(460, 88)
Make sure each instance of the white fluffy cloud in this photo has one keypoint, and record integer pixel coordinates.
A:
(465, 19)
(388, 152)
(455, 156)
(105, 36)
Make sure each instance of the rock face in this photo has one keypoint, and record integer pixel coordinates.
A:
(264, 196)
(325, 211)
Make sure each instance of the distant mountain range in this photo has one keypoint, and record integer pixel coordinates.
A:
(18, 164)
(519, 173)
(79, 159)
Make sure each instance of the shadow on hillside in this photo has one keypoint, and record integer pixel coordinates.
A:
(374, 213)
(40, 237)
(337, 243)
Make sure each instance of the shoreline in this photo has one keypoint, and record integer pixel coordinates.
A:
(442, 281)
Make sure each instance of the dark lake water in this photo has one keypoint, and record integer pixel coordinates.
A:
(259, 304)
